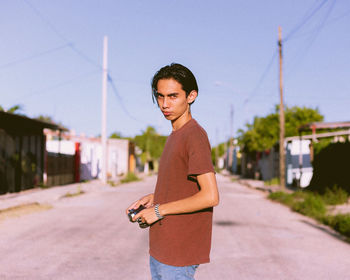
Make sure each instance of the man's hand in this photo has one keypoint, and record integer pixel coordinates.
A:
(147, 216)
(146, 201)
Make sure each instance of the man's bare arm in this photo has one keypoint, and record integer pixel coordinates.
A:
(208, 196)
(146, 201)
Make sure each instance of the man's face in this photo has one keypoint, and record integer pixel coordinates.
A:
(172, 99)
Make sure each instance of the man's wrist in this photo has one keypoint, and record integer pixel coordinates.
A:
(158, 212)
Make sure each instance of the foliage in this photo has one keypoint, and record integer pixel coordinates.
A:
(43, 186)
(151, 144)
(111, 183)
(335, 195)
(321, 144)
(340, 223)
(271, 182)
(296, 117)
(45, 118)
(48, 119)
(79, 191)
(263, 133)
(219, 151)
(116, 135)
(130, 177)
(282, 197)
(12, 110)
(314, 205)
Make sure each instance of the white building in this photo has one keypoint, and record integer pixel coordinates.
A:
(120, 153)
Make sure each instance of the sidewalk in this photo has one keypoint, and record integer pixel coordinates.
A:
(260, 185)
(252, 183)
(50, 195)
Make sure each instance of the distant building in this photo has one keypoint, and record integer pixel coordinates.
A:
(299, 154)
(36, 153)
(22, 152)
(121, 155)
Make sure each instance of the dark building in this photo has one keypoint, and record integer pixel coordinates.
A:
(22, 152)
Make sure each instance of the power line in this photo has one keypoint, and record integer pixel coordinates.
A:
(80, 53)
(47, 22)
(58, 85)
(335, 19)
(254, 91)
(313, 36)
(21, 60)
(59, 34)
(307, 17)
(114, 88)
(330, 21)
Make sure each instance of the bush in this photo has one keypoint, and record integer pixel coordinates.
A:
(282, 197)
(313, 206)
(289, 199)
(78, 192)
(340, 223)
(300, 195)
(273, 181)
(130, 177)
(335, 196)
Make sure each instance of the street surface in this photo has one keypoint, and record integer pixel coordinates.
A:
(90, 237)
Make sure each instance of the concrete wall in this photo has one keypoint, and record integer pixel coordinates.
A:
(91, 155)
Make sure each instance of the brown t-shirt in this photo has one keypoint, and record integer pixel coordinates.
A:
(182, 239)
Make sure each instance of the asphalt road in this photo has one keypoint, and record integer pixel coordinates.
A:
(90, 237)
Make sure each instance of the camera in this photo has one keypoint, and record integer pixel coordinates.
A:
(133, 212)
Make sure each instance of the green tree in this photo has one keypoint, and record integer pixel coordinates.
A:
(13, 110)
(45, 118)
(151, 144)
(263, 133)
(218, 151)
(116, 135)
(48, 119)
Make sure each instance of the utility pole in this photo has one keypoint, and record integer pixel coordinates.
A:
(282, 155)
(217, 148)
(230, 157)
(231, 124)
(104, 111)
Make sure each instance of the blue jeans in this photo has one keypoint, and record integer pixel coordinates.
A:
(160, 271)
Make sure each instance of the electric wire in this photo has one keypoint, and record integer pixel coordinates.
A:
(59, 34)
(58, 85)
(312, 38)
(329, 22)
(306, 18)
(31, 57)
(115, 91)
(262, 78)
(81, 54)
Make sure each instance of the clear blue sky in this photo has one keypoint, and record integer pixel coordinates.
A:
(50, 52)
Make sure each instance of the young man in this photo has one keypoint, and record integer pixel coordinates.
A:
(180, 210)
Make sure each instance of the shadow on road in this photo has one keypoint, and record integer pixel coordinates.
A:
(328, 231)
(226, 223)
